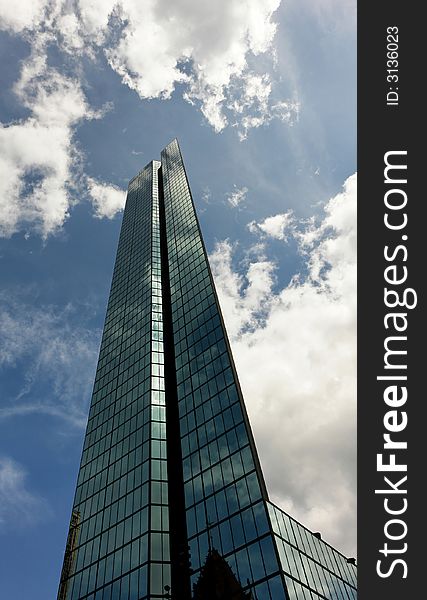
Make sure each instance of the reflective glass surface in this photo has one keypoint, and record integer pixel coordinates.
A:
(170, 499)
(312, 568)
(225, 510)
(118, 545)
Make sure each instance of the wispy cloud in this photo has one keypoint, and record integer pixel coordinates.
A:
(206, 195)
(19, 507)
(57, 353)
(237, 197)
(295, 350)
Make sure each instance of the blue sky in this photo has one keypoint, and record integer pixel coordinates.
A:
(261, 96)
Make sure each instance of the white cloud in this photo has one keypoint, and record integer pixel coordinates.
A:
(295, 350)
(154, 45)
(19, 507)
(204, 46)
(37, 154)
(243, 300)
(40, 164)
(253, 104)
(237, 197)
(278, 226)
(17, 16)
(107, 199)
(209, 49)
(57, 355)
(70, 33)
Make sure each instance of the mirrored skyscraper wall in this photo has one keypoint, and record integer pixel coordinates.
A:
(170, 499)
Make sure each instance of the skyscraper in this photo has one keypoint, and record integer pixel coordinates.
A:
(170, 499)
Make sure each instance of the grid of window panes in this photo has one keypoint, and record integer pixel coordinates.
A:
(118, 544)
(224, 505)
(159, 518)
(312, 568)
(119, 519)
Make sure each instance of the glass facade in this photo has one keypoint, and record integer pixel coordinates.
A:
(312, 568)
(170, 499)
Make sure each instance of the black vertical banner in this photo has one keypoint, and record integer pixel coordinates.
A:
(391, 308)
